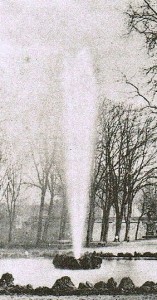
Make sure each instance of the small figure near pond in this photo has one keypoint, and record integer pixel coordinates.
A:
(128, 239)
(116, 238)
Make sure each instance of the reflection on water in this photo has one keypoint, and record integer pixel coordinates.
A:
(41, 272)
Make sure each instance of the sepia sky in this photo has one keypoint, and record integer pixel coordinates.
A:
(36, 37)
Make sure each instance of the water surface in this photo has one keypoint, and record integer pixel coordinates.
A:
(41, 272)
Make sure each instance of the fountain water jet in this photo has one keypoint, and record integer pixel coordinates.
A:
(79, 127)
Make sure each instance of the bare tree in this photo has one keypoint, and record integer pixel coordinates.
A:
(56, 187)
(125, 161)
(109, 191)
(51, 186)
(109, 187)
(45, 157)
(42, 156)
(103, 183)
(142, 19)
(147, 203)
(43, 168)
(96, 188)
(138, 159)
(91, 216)
(12, 189)
(64, 214)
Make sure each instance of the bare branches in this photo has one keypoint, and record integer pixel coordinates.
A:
(12, 187)
(142, 19)
(148, 102)
(151, 7)
(45, 176)
(125, 159)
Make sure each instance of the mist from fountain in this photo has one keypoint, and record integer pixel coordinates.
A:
(79, 118)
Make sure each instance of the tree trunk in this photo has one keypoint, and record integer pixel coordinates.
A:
(127, 229)
(128, 222)
(10, 232)
(11, 223)
(47, 222)
(139, 220)
(40, 220)
(63, 221)
(105, 224)
(119, 218)
(90, 221)
(137, 228)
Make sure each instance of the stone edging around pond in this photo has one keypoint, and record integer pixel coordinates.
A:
(127, 255)
(93, 260)
(65, 287)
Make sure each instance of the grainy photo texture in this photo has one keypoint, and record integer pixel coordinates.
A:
(78, 149)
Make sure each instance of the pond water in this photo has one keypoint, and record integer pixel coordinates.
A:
(41, 272)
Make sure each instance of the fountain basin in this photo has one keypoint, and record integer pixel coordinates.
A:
(87, 261)
(41, 272)
(65, 287)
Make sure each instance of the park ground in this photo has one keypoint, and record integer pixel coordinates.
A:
(132, 246)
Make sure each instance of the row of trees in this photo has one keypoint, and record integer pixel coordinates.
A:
(125, 154)
(124, 167)
(147, 205)
(39, 173)
(125, 164)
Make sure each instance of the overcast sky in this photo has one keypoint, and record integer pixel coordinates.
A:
(36, 37)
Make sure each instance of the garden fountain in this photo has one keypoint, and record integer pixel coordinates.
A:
(44, 279)
(79, 89)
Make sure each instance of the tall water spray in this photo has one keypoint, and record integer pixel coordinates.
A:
(79, 128)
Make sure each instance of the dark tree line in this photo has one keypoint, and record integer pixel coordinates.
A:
(41, 174)
(12, 183)
(48, 178)
(125, 163)
(147, 203)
